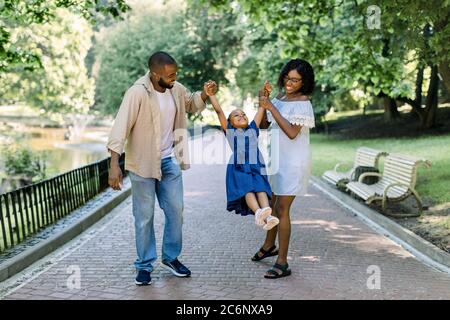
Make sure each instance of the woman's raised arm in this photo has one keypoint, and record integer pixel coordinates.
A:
(291, 130)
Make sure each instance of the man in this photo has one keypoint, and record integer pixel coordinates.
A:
(152, 114)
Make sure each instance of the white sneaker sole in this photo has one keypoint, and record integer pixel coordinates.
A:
(262, 215)
(173, 271)
(142, 283)
(271, 223)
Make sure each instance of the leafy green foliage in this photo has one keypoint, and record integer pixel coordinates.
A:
(14, 14)
(203, 43)
(334, 36)
(21, 161)
(62, 85)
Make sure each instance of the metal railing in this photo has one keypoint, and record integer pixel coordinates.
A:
(25, 211)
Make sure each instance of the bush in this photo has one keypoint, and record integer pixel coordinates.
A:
(20, 162)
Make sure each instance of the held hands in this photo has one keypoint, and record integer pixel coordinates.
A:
(265, 103)
(210, 88)
(264, 96)
(267, 89)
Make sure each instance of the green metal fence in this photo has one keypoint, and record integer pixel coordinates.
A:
(25, 211)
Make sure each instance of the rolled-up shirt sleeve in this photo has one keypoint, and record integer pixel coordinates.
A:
(194, 101)
(125, 119)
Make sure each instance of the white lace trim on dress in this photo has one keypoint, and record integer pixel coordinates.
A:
(301, 120)
(300, 113)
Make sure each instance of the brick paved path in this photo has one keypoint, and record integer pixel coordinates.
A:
(330, 253)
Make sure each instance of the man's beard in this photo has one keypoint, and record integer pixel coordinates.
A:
(164, 84)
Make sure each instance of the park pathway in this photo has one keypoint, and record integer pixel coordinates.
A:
(332, 256)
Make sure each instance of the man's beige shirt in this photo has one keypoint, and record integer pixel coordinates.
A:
(137, 127)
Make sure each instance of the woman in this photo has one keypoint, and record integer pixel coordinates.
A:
(290, 116)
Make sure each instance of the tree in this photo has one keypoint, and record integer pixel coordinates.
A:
(425, 31)
(62, 84)
(15, 13)
(203, 43)
(348, 55)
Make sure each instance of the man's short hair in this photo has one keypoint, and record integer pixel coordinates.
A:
(160, 59)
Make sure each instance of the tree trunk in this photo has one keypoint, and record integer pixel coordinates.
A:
(416, 107)
(391, 113)
(429, 118)
(444, 65)
(419, 82)
(444, 71)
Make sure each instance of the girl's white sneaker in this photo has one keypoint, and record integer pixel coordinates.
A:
(271, 222)
(261, 215)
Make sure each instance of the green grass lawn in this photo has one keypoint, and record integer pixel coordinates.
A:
(350, 113)
(433, 182)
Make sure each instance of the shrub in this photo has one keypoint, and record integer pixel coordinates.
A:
(20, 162)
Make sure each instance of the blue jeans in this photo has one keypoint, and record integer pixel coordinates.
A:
(169, 192)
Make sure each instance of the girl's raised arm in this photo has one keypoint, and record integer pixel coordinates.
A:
(259, 116)
(219, 111)
(264, 92)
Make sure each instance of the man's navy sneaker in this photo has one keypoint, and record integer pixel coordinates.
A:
(177, 268)
(143, 278)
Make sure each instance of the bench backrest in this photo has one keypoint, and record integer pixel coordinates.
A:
(401, 168)
(367, 157)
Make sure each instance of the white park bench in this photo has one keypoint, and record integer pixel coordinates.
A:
(364, 157)
(397, 182)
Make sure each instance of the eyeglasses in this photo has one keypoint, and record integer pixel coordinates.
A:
(293, 80)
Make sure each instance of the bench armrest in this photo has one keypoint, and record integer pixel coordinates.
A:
(369, 174)
(341, 164)
(413, 191)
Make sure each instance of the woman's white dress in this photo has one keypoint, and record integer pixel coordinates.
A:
(290, 159)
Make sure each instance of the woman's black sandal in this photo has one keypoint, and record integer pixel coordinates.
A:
(278, 271)
(266, 253)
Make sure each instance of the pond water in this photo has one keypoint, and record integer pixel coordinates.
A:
(62, 155)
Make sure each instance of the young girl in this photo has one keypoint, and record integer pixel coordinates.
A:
(248, 189)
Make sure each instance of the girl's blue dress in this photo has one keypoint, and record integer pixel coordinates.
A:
(246, 168)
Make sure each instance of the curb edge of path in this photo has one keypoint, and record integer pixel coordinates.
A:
(417, 246)
(40, 250)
